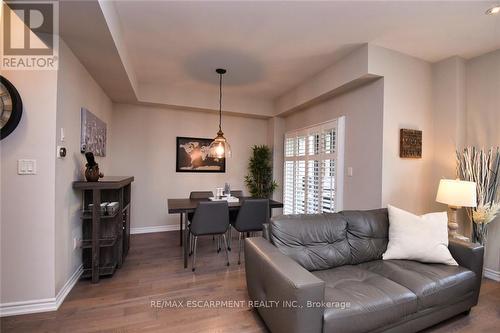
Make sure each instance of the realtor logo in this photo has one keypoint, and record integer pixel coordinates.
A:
(30, 35)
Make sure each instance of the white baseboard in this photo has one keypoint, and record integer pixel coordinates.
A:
(491, 274)
(41, 305)
(159, 228)
(64, 291)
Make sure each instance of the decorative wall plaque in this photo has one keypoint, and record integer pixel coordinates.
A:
(410, 143)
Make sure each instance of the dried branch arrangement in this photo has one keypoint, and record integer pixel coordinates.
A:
(482, 167)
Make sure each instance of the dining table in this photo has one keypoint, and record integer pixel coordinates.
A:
(185, 206)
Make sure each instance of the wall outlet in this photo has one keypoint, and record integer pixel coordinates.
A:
(349, 172)
(77, 243)
(61, 152)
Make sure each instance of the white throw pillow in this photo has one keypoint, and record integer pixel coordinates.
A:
(420, 238)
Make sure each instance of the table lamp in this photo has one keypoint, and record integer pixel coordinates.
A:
(456, 194)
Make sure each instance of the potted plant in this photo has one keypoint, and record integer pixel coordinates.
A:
(260, 181)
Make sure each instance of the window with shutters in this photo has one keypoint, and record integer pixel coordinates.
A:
(313, 169)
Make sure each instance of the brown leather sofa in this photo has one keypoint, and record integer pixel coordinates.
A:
(324, 273)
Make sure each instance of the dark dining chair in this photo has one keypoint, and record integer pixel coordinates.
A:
(253, 213)
(237, 193)
(211, 218)
(198, 195)
(233, 214)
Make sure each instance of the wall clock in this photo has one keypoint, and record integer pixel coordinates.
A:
(11, 107)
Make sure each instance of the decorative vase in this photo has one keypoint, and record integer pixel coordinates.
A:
(479, 233)
(92, 173)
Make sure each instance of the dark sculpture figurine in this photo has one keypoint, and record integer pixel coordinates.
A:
(92, 173)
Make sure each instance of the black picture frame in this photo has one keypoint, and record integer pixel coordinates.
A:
(203, 163)
(17, 108)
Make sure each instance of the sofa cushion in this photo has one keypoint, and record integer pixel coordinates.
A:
(434, 284)
(362, 301)
(422, 238)
(315, 241)
(367, 234)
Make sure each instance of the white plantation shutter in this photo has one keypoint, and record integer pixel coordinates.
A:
(313, 169)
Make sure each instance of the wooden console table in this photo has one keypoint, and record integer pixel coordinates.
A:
(105, 238)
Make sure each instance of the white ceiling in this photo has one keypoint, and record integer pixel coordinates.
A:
(270, 47)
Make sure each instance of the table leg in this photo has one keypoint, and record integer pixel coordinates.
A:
(180, 228)
(186, 242)
(120, 230)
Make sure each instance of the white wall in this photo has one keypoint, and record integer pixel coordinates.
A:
(466, 97)
(483, 100)
(407, 103)
(352, 67)
(27, 202)
(143, 146)
(449, 116)
(448, 88)
(363, 108)
(483, 126)
(75, 89)
(207, 99)
(406, 183)
(40, 213)
(275, 140)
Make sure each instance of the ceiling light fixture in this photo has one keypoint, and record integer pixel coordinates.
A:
(493, 10)
(220, 148)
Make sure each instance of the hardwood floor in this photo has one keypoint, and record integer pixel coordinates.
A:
(153, 272)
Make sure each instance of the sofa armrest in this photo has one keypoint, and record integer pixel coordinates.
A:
(470, 256)
(282, 288)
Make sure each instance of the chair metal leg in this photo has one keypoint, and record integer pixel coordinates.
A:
(230, 236)
(218, 244)
(239, 248)
(225, 246)
(191, 243)
(194, 252)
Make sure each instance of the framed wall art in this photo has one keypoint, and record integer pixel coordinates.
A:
(93, 134)
(410, 143)
(192, 155)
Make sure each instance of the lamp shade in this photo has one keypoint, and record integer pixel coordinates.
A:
(219, 148)
(458, 193)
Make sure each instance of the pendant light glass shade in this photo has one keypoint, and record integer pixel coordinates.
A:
(220, 148)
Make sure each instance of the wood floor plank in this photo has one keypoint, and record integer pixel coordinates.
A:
(153, 271)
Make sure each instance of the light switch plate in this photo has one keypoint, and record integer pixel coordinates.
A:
(349, 172)
(26, 167)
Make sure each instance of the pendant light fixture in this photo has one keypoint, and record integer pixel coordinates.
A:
(220, 148)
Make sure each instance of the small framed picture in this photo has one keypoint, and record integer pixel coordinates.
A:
(193, 156)
(410, 143)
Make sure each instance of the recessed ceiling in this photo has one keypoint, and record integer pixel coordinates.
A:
(270, 47)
